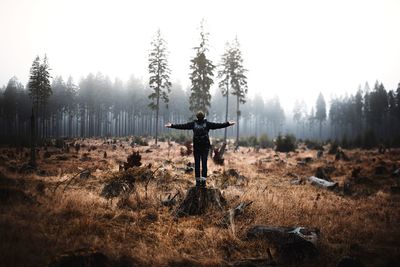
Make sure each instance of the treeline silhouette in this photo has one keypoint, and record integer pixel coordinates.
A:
(98, 107)
(368, 118)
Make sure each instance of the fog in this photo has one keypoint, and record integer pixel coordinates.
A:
(293, 49)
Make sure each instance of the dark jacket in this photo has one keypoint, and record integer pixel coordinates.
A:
(200, 139)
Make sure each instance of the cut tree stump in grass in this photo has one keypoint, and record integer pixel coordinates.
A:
(199, 200)
(292, 244)
(219, 155)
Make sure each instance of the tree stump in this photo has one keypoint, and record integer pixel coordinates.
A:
(199, 200)
(292, 244)
(133, 160)
(219, 155)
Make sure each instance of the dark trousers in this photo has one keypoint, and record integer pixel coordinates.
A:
(200, 155)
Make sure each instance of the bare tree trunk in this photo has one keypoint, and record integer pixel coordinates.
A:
(237, 122)
(83, 117)
(320, 130)
(226, 111)
(44, 121)
(70, 126)
(33, 140)
(158, 107)
(135, 123)
(37, 133)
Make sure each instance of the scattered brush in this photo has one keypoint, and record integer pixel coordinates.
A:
(218, 157)
(334, 147)
(77, 147)
(86, 157)
(133, 160)
(115, 187)
(139, 141)
(188, 150)
(84, 174)
(311, 144)
(170, 200)
(124, 181)
(231, 177)
(340, 155)
(285, 143)
(121, 182)
(229, 218)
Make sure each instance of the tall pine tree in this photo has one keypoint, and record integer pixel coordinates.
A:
(159, 76)
(358, 111)
(201, 76)
(224, 75)
(238, 81)
(39, 91)
(39, 86)
(34, 83)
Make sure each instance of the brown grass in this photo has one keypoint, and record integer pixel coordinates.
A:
(364, 225)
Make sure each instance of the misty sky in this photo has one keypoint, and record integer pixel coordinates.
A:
(292, 49)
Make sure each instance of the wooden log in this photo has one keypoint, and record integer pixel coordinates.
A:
(292, 244)
(281, 234)
(199, 200)
(322, 183)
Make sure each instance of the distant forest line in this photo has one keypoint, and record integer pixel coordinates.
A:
(98, 107)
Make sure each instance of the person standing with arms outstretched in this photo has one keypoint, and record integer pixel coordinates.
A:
(201, 142)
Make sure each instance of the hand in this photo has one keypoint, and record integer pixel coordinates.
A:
(168, 125)
(231, 123)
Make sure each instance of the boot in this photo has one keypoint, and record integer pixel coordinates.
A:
(198, 182)
(203, 181)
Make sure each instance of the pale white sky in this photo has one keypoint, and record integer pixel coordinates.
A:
(292, 49)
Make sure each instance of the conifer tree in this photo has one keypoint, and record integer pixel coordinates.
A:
(224, 75)
(39, 87)
(238, 82)
(201, 75)
(159, 76)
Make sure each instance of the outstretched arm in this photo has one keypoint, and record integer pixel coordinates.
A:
(184, 126)
(214, 125)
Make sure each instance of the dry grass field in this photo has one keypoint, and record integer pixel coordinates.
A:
(48, 213)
